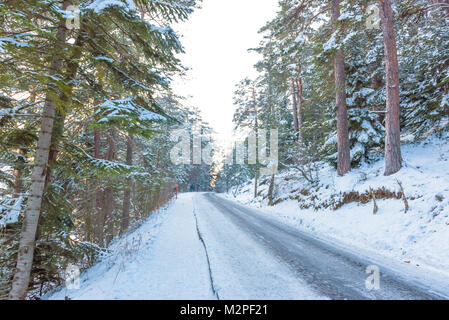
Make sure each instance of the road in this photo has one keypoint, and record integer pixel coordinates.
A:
(203, 246)
(253, 256)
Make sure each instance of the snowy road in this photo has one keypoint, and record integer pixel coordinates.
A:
(207, 247)
(268, 259)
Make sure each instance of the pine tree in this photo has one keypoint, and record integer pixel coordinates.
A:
(97, 65)
(343, 162)
(393, 157)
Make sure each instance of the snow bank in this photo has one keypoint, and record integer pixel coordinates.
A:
(163, 259)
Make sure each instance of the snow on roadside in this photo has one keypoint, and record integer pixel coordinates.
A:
(419, 237)
(163, 259)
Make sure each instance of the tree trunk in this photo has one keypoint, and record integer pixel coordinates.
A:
(31, 216)
(97, 143)
(93, 186)
(99, 220)
(343, 161)
(108, 219)
(295, 106)
(255, 185)
(393, 158)
(270, 190)
(299, 97)
(18, 176)
(58, 127)
(59, 119)
(98, 200)
(129, 182)
(256, 116)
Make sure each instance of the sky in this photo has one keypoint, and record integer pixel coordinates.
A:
(216, 39)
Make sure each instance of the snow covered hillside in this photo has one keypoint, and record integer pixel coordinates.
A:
(341, 209)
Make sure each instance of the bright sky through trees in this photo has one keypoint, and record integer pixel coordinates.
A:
(216, 39)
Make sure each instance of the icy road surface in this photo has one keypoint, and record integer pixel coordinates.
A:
(328, 270)
(207, 247)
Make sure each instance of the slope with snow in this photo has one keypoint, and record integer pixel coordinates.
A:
(419, 237)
